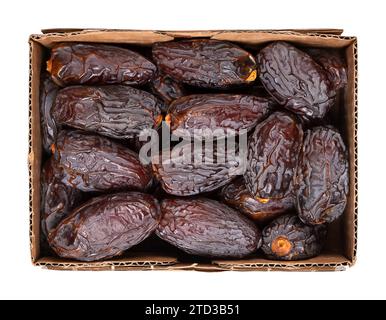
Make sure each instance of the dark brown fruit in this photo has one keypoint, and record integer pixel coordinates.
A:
(167, 89)
(77, 63)
(322, 176)
(287, 238)
(48, 126)
(95, 163)
(260, 210)
(334, 65)
(272, 156)
(197, 113)
(205, 63)
(295, 80)
(207, 228)
(106, 226)
(58, 199)
(119, 112)
(185, 178)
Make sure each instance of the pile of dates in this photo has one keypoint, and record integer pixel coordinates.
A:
(99, 199)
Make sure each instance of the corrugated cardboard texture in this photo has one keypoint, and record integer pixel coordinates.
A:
(342, 243)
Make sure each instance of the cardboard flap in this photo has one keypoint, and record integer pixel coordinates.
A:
(326, 261)
(194, 33)
(336, 32)
(103, 36)
(261, 37)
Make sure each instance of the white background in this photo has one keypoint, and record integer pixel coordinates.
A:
(18, 19)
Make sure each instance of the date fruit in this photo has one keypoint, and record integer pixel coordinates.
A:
(196, 113)
(322, 176)
(119, 112)
(287, 238)
(273, 152)
(167, 89)
(185, 178)
(208, 228)
(295, 80)
(236, 195)
(80, 63)
(58, 199)
(95, 163)
(334, 65)
(106, 226)
(205, 63)
(48, 126)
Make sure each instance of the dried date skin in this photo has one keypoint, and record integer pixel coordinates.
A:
(96, 163)
(205, 63)
(185, 179)
(106, 226)
(322, 177)
(200, 112)
(288, 238)
(58, 199)
(208, 228)
(79, 63)
(295, 80)
(167, 89)
(115, 111)
(334, 65)
(47, 97)
(273, 151)
(236, 195)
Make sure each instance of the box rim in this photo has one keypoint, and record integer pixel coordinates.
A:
(196, 266)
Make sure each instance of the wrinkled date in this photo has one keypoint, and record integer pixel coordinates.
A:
(287, 238)
(167, 89)
(322, 177)
(106, 226)
(272, 156)
(95, 163)
(207, 228)
(47, 97)
(58, 199)
(295, 80)
(185, 178)
(196, 113)
(116, 111)
(98, 64)
(334, 65)
(260, 210)
(205, 63)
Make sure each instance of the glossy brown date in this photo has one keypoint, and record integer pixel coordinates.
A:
(322, 176)
(106, 226)
(47, 98)
(183, 178)
(260, 210)
(287, 238)
(115, 111)
(205, 227)
(273, 151)
(80, 63)
(197, 113)
(205, 63)
(295, 80)
(95, 163)
(58, 199)
(167, 89)
(334, 65)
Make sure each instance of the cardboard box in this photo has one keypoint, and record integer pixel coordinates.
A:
(340, 251)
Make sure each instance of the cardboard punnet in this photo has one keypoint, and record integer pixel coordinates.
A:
(340, 251)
